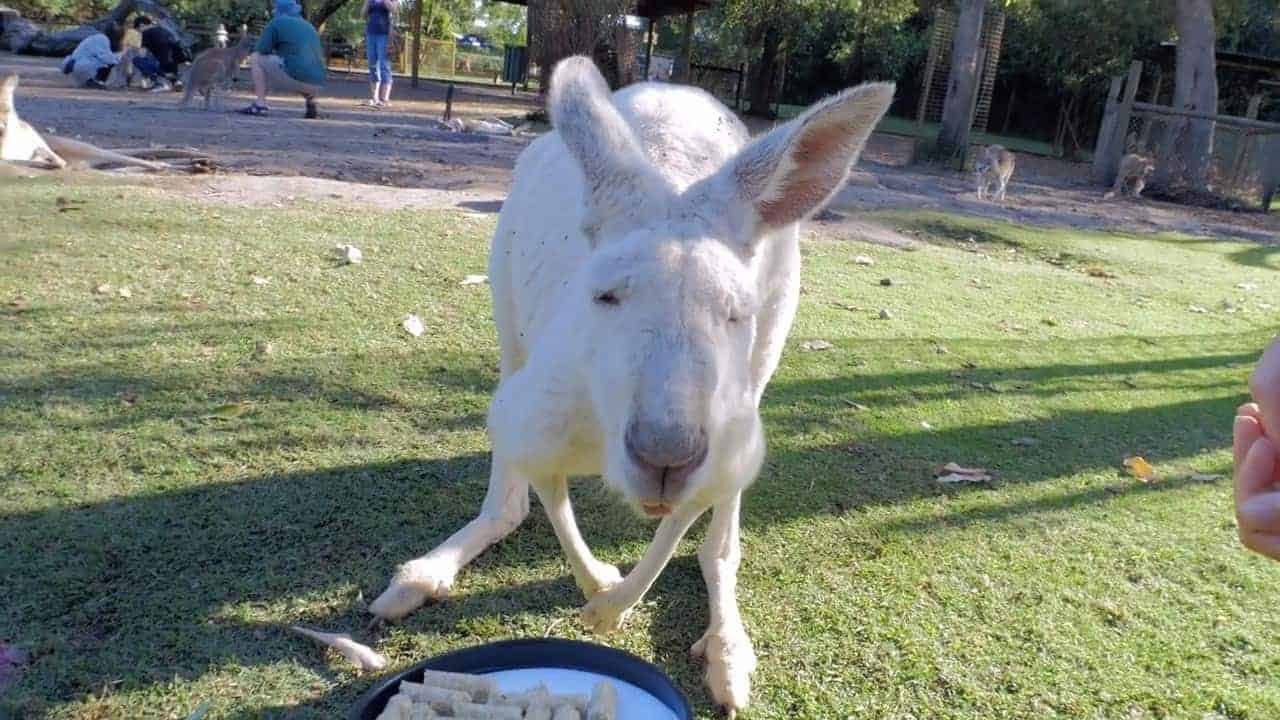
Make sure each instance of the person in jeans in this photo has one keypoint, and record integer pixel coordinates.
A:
(380, 18)
(288, 58)
(1257, 459)
(164, 51)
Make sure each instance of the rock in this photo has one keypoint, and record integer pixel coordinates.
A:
(863, 260)
(885, 314)
(889, 282)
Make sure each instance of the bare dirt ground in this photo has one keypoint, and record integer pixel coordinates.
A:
(397, 158)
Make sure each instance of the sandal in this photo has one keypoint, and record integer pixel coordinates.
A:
(255, 109)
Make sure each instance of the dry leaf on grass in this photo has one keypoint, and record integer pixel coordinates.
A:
(816, 345)
(1198, 310)
(474, 280)
(412, 324)
(863, 260)
(1098, 272)
(103, 289)
(230, 411)
(925, 424)
(1140, 468)
(951, 474)
(259, 280)
(350, 253)
(362, 656)
(125, 292)
(1247, 286)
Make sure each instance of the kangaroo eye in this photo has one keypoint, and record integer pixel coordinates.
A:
(607, 298)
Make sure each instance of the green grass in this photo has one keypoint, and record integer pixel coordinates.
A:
(150, 554)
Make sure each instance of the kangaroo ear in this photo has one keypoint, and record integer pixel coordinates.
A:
(789, 174)
(617, 173)
(8, 85)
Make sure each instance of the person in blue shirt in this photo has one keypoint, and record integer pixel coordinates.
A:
(380, 18)
(288, 58)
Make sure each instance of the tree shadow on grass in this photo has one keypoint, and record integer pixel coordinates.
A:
(132, 591)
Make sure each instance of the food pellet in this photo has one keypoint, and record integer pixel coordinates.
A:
(604, 702)
(397, 708)
(567, 712)
(422, 711)
(438, 698)
(477, 686)
(537, 712)
(487, 712)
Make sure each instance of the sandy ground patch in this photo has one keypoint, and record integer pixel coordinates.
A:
(397, 158)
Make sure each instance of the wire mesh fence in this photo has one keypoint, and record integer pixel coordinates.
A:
(437, 59)
(1242, 167)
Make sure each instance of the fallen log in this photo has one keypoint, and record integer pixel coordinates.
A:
(20, 35)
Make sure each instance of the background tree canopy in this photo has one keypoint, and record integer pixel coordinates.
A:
(1054, 69)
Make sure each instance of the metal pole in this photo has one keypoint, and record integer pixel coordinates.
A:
(417, 39)
(648, 47)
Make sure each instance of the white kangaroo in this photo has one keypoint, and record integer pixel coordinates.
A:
(645, 273)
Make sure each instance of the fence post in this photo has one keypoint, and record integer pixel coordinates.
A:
(1270, 169)
(1106, 158)
(1101, 149)
(1144, 140)
(1243, 138)
(417, 40)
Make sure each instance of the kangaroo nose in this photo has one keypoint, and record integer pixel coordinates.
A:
(668, 456)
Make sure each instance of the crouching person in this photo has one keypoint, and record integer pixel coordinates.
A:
(91, 62)
(288, 58)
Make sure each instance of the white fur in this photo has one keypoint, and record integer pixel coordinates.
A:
(645, 273)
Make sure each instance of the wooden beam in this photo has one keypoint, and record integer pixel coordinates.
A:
(1148, 108)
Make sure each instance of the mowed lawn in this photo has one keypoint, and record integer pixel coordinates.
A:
(187, 470)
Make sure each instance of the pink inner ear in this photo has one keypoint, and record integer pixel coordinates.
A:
(818, 156)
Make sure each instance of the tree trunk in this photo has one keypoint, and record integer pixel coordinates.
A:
(626, 54)
(323, 10)
(763, 80)
(962, 85)
(860, 55)
(1185, 160)
(683, 72)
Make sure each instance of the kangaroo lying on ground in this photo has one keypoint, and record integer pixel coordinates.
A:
(1133, 173)
(642, 300)
(18, 140)
(214, 69)
(994, 167)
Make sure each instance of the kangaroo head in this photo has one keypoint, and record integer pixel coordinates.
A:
(670, 294)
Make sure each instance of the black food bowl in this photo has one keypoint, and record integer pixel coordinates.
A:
(530, 654)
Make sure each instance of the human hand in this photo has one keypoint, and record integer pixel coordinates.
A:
(1257, 483)
(1264, 384)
